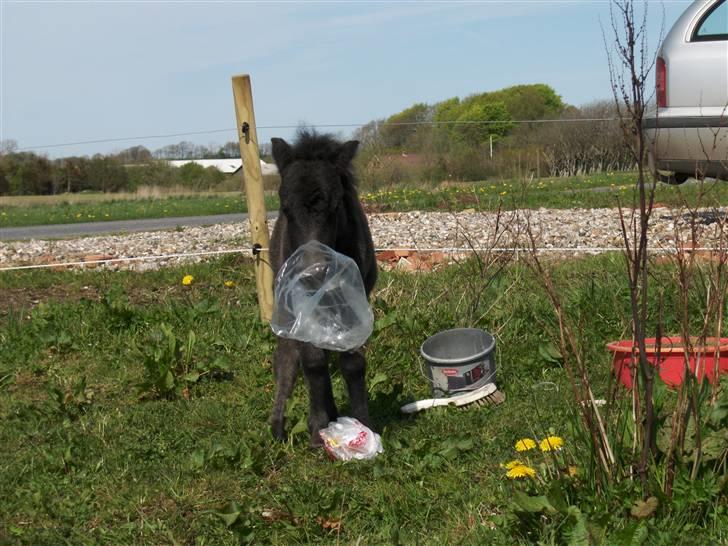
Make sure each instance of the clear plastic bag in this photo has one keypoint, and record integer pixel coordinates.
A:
(347, 438)
(320, 299)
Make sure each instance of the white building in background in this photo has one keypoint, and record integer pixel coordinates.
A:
(227, 166)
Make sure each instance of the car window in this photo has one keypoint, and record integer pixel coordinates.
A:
(714, 25)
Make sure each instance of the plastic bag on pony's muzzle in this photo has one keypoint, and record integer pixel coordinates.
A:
(320, 299)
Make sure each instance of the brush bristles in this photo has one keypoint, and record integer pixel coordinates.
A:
(492, 399)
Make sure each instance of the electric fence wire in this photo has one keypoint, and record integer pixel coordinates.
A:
(314, 126)
(420, 250)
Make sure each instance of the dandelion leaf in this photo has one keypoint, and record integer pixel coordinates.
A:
(633, 534)
(714, 446)
(168, 381)
(644, 509)
(578, 535)
(300, 427)
(550, 353)
(192, 377)
(719, 413)
(556, 496)
(230, 513)
(197, 458)
(527, 503)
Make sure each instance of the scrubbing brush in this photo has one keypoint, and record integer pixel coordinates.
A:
(488, 394)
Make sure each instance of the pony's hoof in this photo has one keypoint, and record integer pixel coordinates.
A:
(364, 420)
(279, 434)
(315, 442)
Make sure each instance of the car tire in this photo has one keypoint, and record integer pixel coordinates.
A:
(674, 179)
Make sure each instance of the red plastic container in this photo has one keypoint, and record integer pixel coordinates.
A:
(672, 359)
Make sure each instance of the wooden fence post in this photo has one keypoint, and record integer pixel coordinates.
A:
(247, 135)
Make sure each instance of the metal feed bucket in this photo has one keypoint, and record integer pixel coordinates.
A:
(459, 360)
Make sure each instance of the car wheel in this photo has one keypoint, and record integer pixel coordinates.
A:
(672, 178)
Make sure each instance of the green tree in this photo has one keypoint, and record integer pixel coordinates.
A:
(398, 129)
(73, 174)
(447, 110)
(523, 102)
(197, 177)
(519, 102)
(135, 154)
(25, 173)
(107, 174)
(155, 173)
(480, 121)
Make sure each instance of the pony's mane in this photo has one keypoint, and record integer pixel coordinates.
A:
(312, 146)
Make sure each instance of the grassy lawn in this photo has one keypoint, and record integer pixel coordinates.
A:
(601, 190)
(595, 191)
(88, 458)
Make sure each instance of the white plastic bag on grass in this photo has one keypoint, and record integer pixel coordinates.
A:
(347, 438)
(320, 299)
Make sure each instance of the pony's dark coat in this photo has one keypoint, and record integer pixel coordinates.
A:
(319, 201)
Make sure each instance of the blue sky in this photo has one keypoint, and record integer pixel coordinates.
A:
(75, 71)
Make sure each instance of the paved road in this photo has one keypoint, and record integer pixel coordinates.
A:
(63, 231)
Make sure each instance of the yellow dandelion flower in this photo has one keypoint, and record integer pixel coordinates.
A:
(525, 444)
(512, 464)
(229, 284)
(552, 443)
(521, 471)
(187, 280)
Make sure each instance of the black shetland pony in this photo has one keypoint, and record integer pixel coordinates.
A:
(319, 201)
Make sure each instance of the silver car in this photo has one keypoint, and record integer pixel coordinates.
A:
(688, 132)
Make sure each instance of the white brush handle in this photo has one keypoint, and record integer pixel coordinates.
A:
(414, 407)
(459, 400)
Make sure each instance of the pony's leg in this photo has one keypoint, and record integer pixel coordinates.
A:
(353, 368)
(322, 408)
(285, 369)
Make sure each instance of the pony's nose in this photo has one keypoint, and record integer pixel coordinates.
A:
(315, 265)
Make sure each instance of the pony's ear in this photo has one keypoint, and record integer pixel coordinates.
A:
(281, 153)
(347, 153)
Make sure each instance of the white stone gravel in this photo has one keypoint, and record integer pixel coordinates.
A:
(585, 230)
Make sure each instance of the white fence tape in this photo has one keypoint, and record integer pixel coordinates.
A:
(447, 250)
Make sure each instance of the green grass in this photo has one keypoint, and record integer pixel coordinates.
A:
(599, 190)
(100, 464)
(63, 212)
(596, 191)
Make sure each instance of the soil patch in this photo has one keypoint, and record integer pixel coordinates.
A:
(27, 298)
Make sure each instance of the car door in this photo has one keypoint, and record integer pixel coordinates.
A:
(701, 61)
(697, 91)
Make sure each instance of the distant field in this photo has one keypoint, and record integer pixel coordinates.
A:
(594, 191)
(98, 197)
(59, 210)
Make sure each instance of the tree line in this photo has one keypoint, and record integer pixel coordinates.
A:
(28, 173)
(496, 134)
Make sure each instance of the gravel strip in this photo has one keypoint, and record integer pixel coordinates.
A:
(588, 230)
